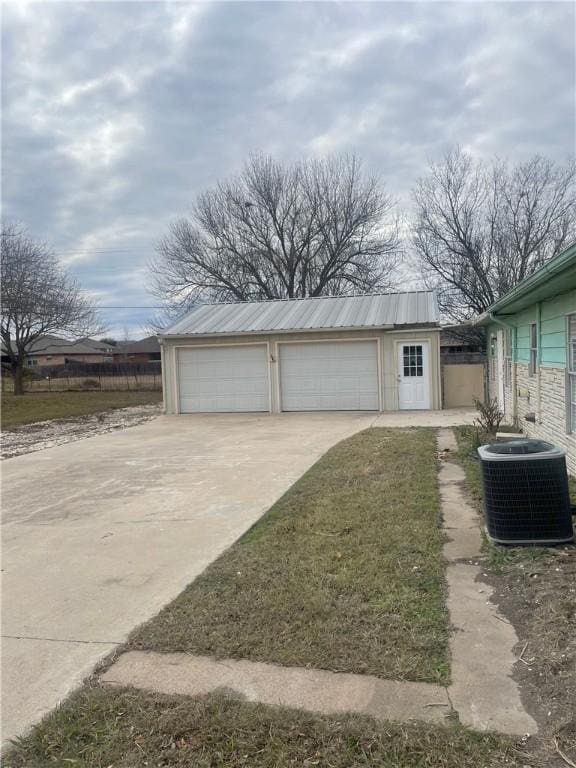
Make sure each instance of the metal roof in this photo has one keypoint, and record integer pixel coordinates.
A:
(383, 310)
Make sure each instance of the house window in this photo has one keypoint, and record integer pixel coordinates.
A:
(31, 362)
(508, 357)
(533, 349)
(571, 372)
(492, 359)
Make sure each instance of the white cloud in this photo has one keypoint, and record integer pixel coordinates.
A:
(102, 145)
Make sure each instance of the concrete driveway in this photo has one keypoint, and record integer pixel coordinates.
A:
(99, 534)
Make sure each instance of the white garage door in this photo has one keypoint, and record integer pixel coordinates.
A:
(329, 376)
(223, 379)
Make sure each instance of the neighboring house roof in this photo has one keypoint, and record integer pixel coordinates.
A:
(380, 310)
(556, 276)
(53, 345)
(98, 346)
(149, 345)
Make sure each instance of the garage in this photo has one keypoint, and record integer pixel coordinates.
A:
(223, 379)
(377, 352)
(329, 376)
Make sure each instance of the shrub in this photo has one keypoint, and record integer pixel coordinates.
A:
(489, 416)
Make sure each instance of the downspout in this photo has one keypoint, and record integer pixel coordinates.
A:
(539, 359)
(514, 333)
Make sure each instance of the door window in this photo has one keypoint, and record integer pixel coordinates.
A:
(412, 360)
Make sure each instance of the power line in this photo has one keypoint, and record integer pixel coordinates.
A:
(131, 307)
(101, 250)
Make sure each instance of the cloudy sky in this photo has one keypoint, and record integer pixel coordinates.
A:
(115, 115)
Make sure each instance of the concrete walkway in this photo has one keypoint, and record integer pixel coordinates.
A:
(482, 694)
(315, 690)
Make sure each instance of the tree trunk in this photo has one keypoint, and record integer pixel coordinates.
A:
(18, 377)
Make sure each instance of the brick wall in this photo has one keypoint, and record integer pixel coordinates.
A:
(549, 407)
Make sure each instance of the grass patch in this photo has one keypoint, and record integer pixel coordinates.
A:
(344, 572)
(496, 554)
(29, 408)
(100, 728)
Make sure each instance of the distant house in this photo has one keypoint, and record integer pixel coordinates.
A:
(531, 333)
(137, 352)
(52, 351)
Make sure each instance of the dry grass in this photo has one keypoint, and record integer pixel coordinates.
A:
(29, 408)
(345, 572)
(104, 728)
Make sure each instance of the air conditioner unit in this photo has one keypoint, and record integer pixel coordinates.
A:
(525, 488)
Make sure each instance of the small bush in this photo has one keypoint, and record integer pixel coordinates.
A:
(489, 417)
(90, 384)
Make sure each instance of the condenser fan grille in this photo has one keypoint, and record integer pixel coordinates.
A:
(526, 498)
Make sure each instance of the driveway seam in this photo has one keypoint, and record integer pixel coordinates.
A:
(60, 640)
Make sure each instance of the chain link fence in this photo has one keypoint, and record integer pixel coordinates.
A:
(99, 377)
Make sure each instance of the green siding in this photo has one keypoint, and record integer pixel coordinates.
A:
(552, 330)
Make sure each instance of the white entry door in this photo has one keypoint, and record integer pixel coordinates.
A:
(223, 379)
(413, 375)
(329, 376)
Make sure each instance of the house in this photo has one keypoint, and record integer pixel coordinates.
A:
(532, 353)
(52, 351)
(337, 353)
(137, 352)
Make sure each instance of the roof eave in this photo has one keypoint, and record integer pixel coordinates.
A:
(560, 263)
(433, 325)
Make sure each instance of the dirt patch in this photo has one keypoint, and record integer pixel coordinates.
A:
(46, 434)
(539, 598)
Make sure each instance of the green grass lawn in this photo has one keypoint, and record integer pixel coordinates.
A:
(28, 408)
(105, 728)
(344, 572)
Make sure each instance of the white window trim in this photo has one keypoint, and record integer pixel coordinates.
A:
(570, 375)
(533, 351)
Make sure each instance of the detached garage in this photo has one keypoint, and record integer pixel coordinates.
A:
(344, 353)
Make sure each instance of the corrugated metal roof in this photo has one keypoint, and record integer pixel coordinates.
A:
(323, 313)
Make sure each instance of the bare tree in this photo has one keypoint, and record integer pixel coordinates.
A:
(282, 231)
(481, 228)
(38, 298)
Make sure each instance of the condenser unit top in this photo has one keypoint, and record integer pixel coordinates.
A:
(520, 450)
